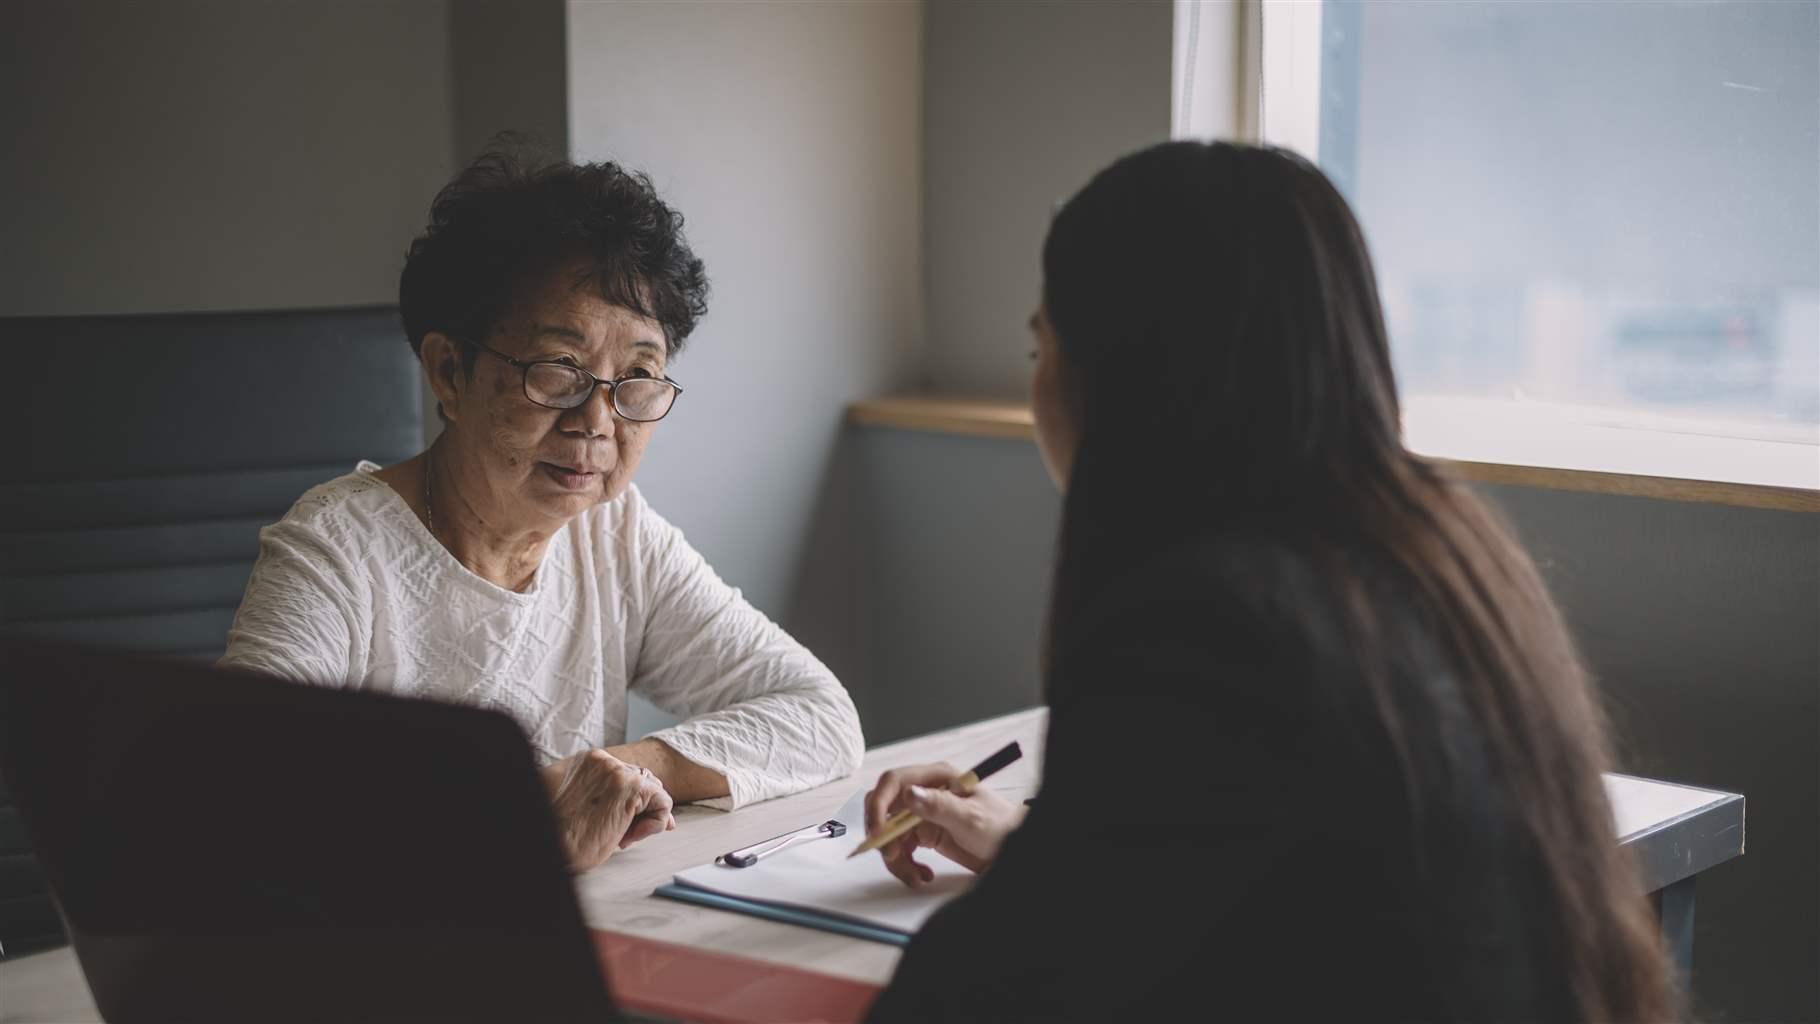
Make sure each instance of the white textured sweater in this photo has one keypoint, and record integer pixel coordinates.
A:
(350, 589)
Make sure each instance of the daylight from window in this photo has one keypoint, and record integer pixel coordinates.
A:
(1606, 211)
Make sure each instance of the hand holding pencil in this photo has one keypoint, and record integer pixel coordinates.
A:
(936, 807)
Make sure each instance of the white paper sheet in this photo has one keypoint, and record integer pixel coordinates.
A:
(818, 876)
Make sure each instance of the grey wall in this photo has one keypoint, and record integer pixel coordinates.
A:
(957, 536)
(213, 154)
(1699, 622)
(508, 72)
(787, 134)
(205, 156)
(509, 63)
(1023, 102)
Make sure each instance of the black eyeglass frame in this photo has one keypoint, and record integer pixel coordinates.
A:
(611, 384)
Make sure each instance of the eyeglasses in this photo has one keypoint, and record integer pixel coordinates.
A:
(561, 386)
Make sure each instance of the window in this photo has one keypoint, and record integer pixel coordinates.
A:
(1596, 225)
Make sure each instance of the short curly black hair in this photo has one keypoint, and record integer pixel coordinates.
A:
(513, 217)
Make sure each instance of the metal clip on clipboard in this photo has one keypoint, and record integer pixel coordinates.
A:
(745, 858)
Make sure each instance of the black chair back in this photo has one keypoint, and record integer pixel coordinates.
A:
(148, 453)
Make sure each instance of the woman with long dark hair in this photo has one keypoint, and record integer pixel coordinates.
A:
(1319, 746)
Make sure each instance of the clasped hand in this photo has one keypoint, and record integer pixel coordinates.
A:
(967, 828)
(605, 805)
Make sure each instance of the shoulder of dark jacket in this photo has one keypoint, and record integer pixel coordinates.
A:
(1233, 586)
(1239, 606)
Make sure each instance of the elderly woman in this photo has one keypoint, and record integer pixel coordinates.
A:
(513, 565)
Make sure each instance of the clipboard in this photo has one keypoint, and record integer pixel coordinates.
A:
(811, 883)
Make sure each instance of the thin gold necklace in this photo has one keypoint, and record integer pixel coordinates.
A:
(429, 506)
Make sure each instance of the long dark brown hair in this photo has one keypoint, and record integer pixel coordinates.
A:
(1221, 302)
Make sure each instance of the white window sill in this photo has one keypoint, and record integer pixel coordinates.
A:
(1525, 444)
(1591, 440)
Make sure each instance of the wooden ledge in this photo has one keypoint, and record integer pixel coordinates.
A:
(972, 417)
(969, 417)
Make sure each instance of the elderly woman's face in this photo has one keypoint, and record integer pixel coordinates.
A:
(541, 465)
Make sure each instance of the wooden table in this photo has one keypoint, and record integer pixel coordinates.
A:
(1678, 831)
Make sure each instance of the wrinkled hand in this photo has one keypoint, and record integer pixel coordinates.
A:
(604, 805)
(967, 828)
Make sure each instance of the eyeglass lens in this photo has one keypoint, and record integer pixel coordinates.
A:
(565, 387)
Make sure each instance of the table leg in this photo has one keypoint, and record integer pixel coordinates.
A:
(1675, 909)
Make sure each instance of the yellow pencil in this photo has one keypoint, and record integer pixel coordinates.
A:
(904, 821)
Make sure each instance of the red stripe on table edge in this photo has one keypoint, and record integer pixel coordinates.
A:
(667, 979)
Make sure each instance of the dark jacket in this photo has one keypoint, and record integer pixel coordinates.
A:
(1225, 829)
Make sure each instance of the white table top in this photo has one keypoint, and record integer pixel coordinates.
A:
(1640, 805)
(47, 988)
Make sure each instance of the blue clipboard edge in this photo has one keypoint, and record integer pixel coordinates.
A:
(808, 919)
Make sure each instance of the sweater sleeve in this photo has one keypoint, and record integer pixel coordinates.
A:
(300, 617)
(760, 708)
